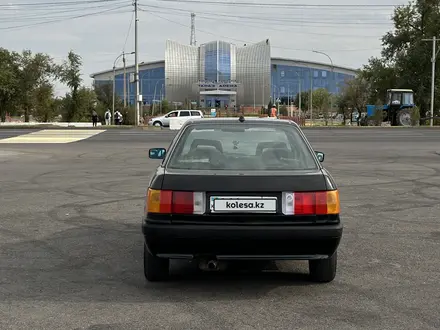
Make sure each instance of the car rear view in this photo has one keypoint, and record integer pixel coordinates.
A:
(230, 189)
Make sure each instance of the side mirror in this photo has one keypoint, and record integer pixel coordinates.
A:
(320, 156)
(157, 153)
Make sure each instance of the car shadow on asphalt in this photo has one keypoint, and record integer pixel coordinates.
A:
(105, 263)
(251, 281)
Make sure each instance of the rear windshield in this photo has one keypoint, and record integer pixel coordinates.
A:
(242, 147)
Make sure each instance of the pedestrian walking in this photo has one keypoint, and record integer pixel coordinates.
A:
(95, 118)
(118, 118)
(108, 117)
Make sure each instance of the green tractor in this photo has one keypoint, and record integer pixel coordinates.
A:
(397, 111)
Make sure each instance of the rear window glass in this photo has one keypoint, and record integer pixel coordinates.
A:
(241, 147)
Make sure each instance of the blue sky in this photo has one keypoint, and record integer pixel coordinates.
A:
(99, 30)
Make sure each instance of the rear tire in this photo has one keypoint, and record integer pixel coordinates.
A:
(323, 270)
(155, 269)
(404, 118)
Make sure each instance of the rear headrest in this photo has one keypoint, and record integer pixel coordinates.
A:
(275, 153)
(205, 142)
(264, 145)
(203, 151)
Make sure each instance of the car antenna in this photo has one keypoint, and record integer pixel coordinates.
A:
(241, 119)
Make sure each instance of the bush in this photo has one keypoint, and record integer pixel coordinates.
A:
(128, 115)
(415, 116)
(283, 111)
(378, 117)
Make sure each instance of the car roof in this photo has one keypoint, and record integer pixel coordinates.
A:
(183, 110)
(230, 120)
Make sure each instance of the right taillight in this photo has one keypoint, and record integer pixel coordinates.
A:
(311, 203)
(175, 202)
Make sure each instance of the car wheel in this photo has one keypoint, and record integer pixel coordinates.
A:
(157, 124)
(323, 270)
(155, 269)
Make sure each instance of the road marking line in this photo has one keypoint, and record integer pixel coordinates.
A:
(53, 136)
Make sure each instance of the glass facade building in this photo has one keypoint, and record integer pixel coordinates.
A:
(217, 62)
(218, 74)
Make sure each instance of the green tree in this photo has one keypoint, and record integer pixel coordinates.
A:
(378, 113)
(104, 95)
(343, 106)
(165, 106)
(84, 103)
(381, 75)
(36, 70)
(321, 102)
(70, 74)
(305, 98)
(406, 58)
(9, 82)
(87, 102)
(357, 92)
(45, 109)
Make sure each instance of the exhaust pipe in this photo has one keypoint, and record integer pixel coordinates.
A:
(212, 265)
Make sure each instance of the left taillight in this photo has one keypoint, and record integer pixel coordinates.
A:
(311, 203)
(175, 202)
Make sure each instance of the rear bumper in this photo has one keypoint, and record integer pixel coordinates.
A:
(242, 241)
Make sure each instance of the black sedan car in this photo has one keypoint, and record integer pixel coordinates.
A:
(241, 189)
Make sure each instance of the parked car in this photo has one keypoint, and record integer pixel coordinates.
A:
(241, 189)
(165, 119)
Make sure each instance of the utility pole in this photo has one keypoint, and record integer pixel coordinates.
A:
(125, 80)
(114, 88)
(264, 91)
(254, 93)
(300, 92)
(311, 97)
(113, 94)
(114, 81)
(433, 60)
(136, 60)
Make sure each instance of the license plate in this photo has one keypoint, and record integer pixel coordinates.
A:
(231, 204)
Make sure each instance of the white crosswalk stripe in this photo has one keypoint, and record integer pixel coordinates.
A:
(52, 136)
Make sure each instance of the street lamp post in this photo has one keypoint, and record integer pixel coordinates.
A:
(333, 77)
(299, 94)
(254, 93)
(161, 97)
(311, 93)
(311, 97)
(114, 87)
(154, 95)
(155, 86)
(274, 96)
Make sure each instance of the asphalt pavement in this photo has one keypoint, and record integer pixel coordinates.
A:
(71, 241)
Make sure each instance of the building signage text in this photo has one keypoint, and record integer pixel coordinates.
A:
(218, 85)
